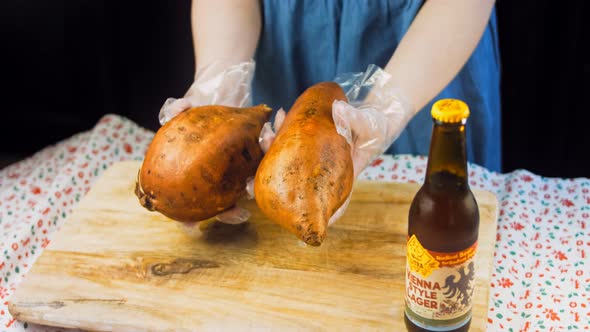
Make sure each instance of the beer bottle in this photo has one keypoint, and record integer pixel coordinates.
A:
(443, 228)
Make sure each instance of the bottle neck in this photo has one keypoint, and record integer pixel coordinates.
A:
(447, 151)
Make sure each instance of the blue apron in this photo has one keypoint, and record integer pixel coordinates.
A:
(308, 41)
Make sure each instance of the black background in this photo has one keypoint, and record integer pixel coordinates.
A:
(64, 64)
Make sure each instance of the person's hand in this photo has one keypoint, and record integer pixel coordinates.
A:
(216, 84)
(374, 117)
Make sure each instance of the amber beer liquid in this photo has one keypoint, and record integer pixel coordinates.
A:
(443, 227)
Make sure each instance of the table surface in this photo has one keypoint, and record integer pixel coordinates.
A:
(541, 275)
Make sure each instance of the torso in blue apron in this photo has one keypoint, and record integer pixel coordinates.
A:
(308, 41)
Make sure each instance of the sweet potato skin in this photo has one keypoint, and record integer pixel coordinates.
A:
(197, 164)
(307, 173)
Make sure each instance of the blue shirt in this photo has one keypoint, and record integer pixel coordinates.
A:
(304, 42)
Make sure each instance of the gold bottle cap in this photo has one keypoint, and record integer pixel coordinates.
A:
(450, 110)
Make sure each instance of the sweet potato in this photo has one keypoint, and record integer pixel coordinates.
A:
(198, 163)
(307, 173)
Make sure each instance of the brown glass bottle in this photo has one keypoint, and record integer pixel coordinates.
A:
(443, 229)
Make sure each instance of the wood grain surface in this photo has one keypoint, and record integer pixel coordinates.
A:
(115, 266)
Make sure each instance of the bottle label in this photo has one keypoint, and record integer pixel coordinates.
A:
(439, 286)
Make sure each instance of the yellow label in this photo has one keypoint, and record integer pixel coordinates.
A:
(439, 286)
(420, 260)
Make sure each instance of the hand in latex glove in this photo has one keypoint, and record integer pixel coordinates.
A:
(374, 117)
(216, 84)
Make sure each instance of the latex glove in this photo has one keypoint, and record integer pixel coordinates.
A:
(374, 117)
(216, 84)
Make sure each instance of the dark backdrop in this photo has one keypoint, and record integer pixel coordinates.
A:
(67, 63)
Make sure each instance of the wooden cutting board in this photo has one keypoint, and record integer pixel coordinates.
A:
(116, 267)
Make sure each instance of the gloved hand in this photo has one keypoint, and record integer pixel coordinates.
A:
(216, 84)
(373, 118)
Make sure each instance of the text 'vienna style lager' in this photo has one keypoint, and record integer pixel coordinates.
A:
(442, 231)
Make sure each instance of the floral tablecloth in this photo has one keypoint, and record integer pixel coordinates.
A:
(541, 274)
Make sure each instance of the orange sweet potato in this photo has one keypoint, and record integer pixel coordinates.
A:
(307, 173)
(198, 163)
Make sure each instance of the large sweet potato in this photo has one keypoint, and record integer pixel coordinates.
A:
(198, 163)
(307, 173)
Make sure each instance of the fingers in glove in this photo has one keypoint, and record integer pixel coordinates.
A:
(250, 187)
(234, 216)
(348, 125)
(360, 160)
(279, 119)
(191, 229)
(340, 210)
(267, 135)
(171, 108)
(340, 115)
(366, 130)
